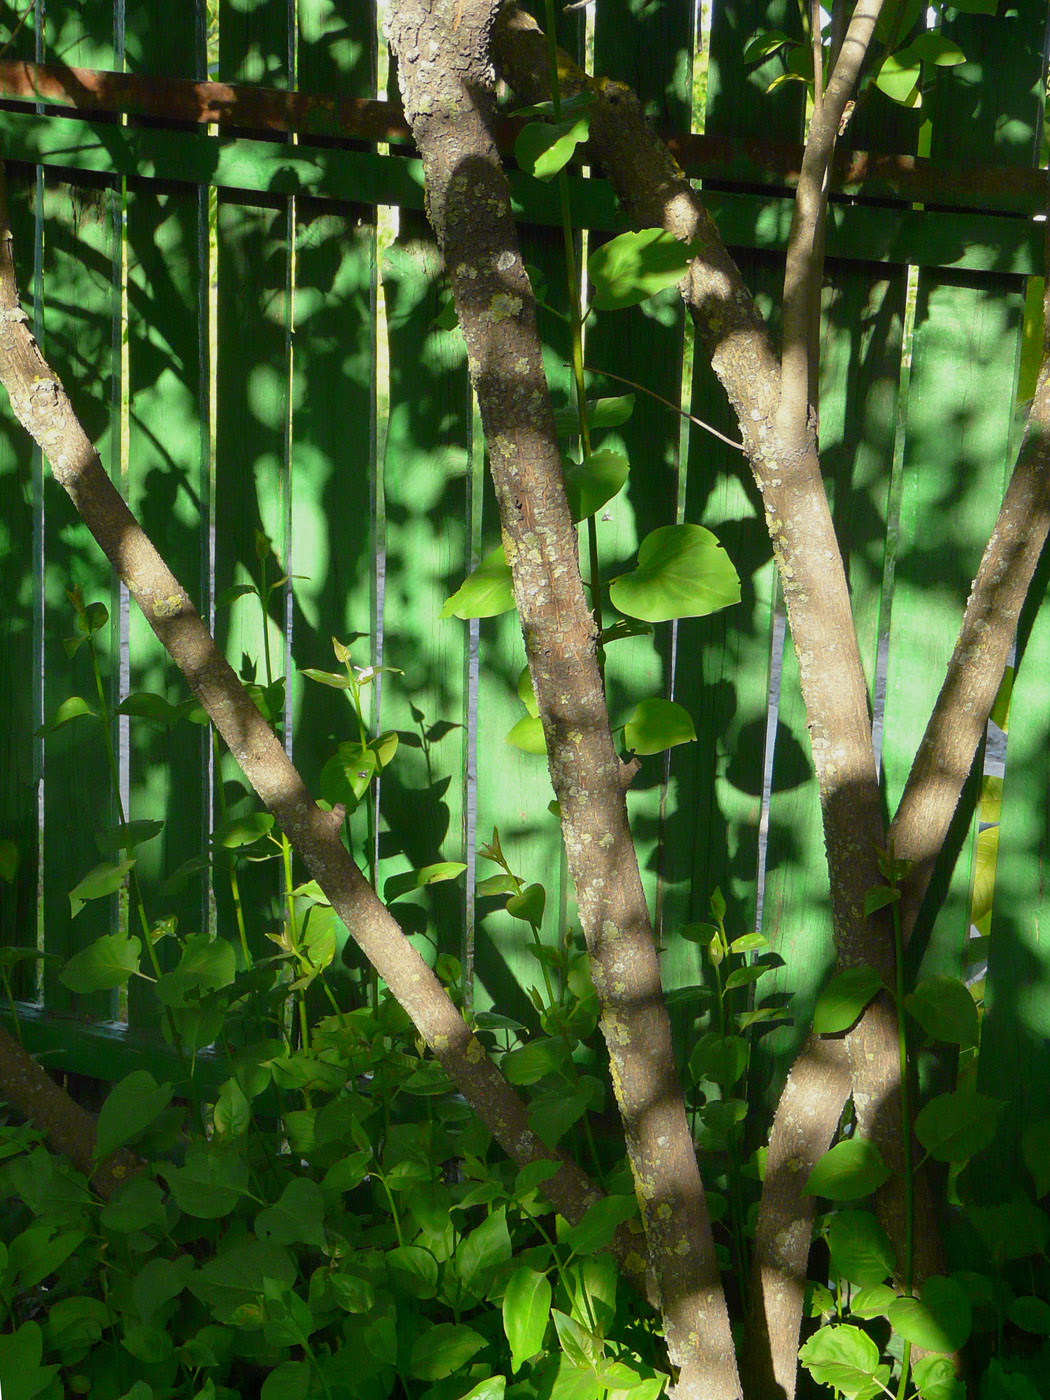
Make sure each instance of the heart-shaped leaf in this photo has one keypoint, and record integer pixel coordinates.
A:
(945, 1009)
(527, 735)
(847, 1359)
(940, 1320)
(597, 479)
(952, 1127)
(107, 963)
(850, 1170)
(682, 572)
(859, 1247)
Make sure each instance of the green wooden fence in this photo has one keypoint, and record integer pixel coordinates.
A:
(211, 296)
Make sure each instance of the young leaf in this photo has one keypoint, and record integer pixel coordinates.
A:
(936, 1379)
(682, 572)
(873, 1300)
(594, 481)
(486, 592)
(765, 44)
(656, 725)
(846, 1358)
(143, 704)
(526, 694)
(859, 1247)
(635, 266)
(945, 1009)
(940, 1320)
(600, 1223)
(544, 148)
(844, 998)
(851, 1169)
(528, 905)
(204, 966)
(952, 1127)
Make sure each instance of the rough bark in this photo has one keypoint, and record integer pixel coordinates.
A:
(69, 1128)
(444, 68)
(42, 406)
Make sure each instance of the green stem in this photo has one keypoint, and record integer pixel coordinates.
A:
(235, 884)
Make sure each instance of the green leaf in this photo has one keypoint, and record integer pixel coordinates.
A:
(70, 709)
(940, 1320)
(623, 628)
(745, 976)
(492, 1388)
(897, 17)
(442, 1349)
(846, 1358)
(544, 148)
(482, 1252)
(144, 704)
(297, 1217)
(952, 1127)
(599, 1223)
(529, 905)
(211, 1183)
(135, 1205)
(682, 572)
(527, 735)
(1035, 1149)
(158, 1281)
(749, 943)
(601, 414)
(20, 1369)
(129, 1109)
(879, 897)
(104, 880)
(852, 1169)
(936, 1379)
(594, 481)
(844, 998)
(872, 1301)
(348, 774)
(204, 966)
(76, 1322)
(413, 1269)
(900, 82)
(656, 725)
(720, 1059)
(945, 1009)
(398, 885)
(127, 836)
(107, 963)
(526, 694)
(1015, 1229)
(487, 592)
(765, 44)
(635, 266)
(535, 1061)
(288, 1381)
(931, 47)
(243, 831)
(859, 1247)
(1031, 1315)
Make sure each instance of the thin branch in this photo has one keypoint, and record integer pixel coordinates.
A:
(804, 261)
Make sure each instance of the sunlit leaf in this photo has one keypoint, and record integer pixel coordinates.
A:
(931, 47)
(486, 592)
(442, 1348)
(527, 735)
(544, 148)
(764, 44)
(846, 1358)
(656, 725)
(635, 266)
(900, 82)
(859, 1247)
(939, 1320)
(682, 572)
(601, 413)
(529, 905)
(398, 885)
(844, 998)
(850, 1170)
